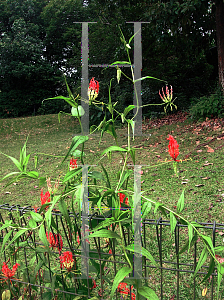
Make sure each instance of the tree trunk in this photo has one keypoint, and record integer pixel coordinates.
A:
(220, 39)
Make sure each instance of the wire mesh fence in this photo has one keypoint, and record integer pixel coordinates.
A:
(96, 261)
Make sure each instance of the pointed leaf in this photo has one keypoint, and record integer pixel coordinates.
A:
(173, 222)
(33, 174)
(190, 235)
(71, 174)
(209, 242)
(148, 293)
(16, 236)
(15, 161)
(146, 209)
(76, 141)
(6, 237)
(64, 211)
(202, 259)
(113, 148)
(37, 217)
(121, 274)
(180, 203)
(147, 77)
(143, 251)
(105, 233)
(43, 238)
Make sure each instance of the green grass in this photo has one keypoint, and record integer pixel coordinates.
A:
(201, 175)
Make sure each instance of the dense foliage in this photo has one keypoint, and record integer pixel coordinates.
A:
(40, 41)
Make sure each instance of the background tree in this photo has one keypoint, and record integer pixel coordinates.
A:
(40, 40)
(220, 39)
(26, 77)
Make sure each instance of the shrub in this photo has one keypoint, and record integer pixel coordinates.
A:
(208, 106)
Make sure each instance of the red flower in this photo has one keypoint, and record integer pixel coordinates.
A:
(173, 148)
(78, 241)
(110, 251)
(122, 289)
(45, 198)
(9, 273)
(66, 260)
(219, 259)
(93, 89)
(55, 240)
(168, 96)
(94, 283)
(122, 196)
(73, 164)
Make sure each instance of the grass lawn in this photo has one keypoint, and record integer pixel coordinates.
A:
(201, 175)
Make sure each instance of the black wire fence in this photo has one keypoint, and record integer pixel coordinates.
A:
(41, 276)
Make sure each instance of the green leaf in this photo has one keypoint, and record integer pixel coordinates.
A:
(77, 112)
(104, 223)
(210, 269)
(6, 225)
(97, 175)
(148, 293)
(173, 222)
(219, 249)
(202, 259)
(180, 203)
(126, 174)
(6, 295)
(132, 153)
(121, 63)
(43, 238)
(70, 174)
(15, 161)
(113, 148)
(143, 251)
(127, 109)
(47, 295)
(76, 153)
(37, 217)
(48, 215)
(196, 225)
(25, 162)
(107, 177)
(121, 274)
(132, 127)
(23, 155)
(16, 236)
(220, 270)
(186, 245)
(76, 141)
(32, 223)
(105, 233)
(33, 174)
(6, 237)
(190, 235)
(157, 205)
(68, 100)
(208, 242)
(147, 77)
(146, 209)
(10, 174)
(64, 211)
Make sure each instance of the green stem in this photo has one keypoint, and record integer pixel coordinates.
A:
(125, 162)
(123, 245)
